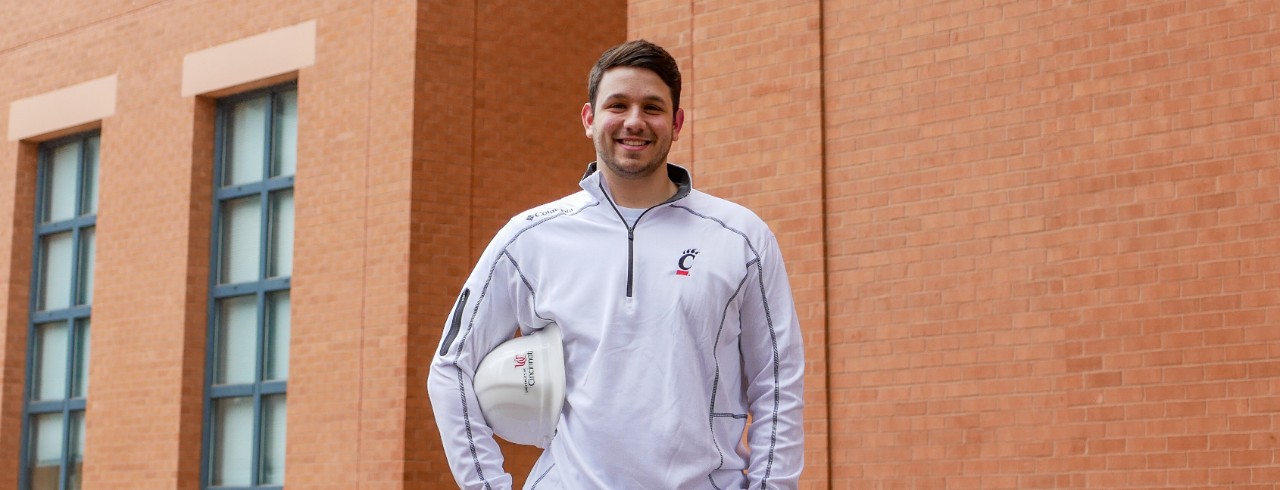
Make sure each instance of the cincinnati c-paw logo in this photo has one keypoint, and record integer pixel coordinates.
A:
(686, 262)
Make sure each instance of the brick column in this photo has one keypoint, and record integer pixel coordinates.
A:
(16, 221)
(498, 133)
(753, 97)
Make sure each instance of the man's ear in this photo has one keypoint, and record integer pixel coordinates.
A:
(677, 124)
(588, 117)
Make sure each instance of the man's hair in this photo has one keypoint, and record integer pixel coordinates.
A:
(638, 54)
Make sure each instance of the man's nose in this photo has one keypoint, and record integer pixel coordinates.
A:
(633, 119)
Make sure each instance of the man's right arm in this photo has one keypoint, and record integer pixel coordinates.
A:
(483, 316)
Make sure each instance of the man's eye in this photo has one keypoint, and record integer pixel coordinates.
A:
(653, 109)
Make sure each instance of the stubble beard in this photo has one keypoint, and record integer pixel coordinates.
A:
(608, 157)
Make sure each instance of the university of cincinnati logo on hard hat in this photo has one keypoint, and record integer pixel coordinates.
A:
(686, 262)
(525, 364)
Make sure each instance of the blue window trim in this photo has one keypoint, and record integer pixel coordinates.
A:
(261, 289)
(74, 315)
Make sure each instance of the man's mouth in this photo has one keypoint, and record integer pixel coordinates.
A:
(633, 144)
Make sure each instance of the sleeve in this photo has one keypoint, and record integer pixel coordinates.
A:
(484, 316)
(773, 368)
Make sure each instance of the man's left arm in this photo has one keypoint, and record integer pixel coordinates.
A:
(773, 365)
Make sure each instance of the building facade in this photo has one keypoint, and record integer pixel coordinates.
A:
(1034, 244)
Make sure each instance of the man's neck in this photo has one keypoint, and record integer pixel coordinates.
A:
(642, 193)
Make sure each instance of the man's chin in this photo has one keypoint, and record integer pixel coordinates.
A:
(632, 169)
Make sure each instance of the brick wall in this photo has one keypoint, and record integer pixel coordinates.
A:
(15, 264)
(347, 407)
(1054, 244)
(1033, 243)
(1050, 228)
(440, 256)
(499, 135)
(753, 134)
(385, 230)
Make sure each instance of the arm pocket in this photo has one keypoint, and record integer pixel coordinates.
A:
(455, 323)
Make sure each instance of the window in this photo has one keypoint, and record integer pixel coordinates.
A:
(248, 348)
(62, 290)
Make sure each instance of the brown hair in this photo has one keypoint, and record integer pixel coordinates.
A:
(639, 54)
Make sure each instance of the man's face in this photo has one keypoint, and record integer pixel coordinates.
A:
(632, 123)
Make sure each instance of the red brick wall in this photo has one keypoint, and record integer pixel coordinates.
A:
(440, 256)
(347, 399)
(1033, 244)
(753, 134)
(1049, 229)
(23, 76)
(16, 224)
(424, 126)
(1053, 244)
(497, 136)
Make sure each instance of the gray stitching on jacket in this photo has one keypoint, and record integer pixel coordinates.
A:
(715, 384)
(462, 386)
(544, 475)
(526, 282)
(777, 388)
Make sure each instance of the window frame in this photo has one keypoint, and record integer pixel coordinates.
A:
(74, 315)
(261, 289)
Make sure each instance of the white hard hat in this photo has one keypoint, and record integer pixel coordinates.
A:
(520, 386)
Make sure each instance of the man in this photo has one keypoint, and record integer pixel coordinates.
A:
(677, 317)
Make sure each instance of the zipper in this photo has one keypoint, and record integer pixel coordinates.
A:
(631, 244)
(456, 322)
(631, 235)
(631, 255)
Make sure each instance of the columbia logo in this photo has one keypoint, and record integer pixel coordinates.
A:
(545, 212)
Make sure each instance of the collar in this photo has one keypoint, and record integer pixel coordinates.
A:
(593, 182)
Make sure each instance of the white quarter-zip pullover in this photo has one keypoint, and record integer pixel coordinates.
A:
(676, 330)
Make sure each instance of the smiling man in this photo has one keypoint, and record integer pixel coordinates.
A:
(679, 330)
(633, 122)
